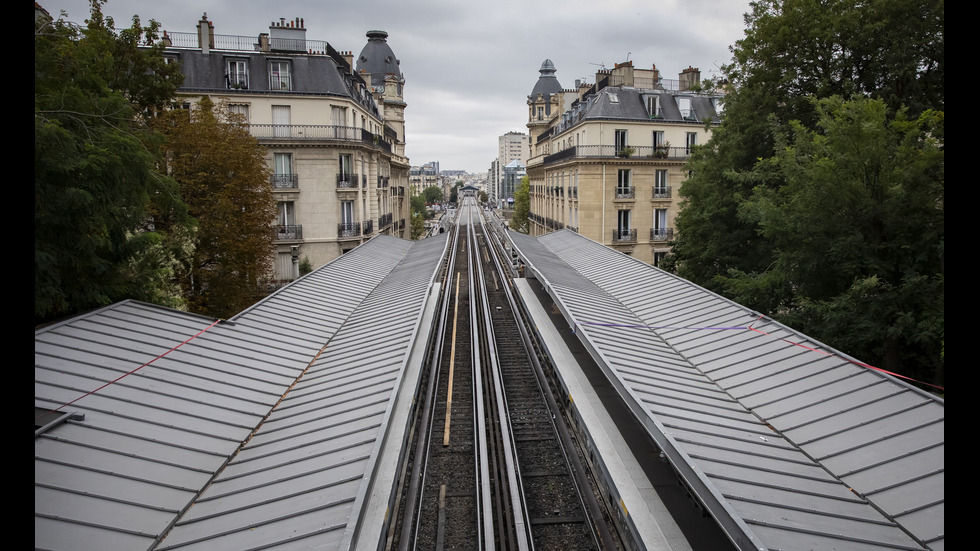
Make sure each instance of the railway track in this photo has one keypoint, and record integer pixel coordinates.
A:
(491, 465)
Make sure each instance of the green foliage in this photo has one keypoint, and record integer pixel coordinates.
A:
(418, 226)
(223, 178)
(521, 220)
(484, 197)
(858, 230)
(432, 195)
(98, 199)
(305, 266)
(784, 211)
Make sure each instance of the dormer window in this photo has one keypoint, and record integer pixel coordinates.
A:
(236, 74)
(687, 112)
(653, 107)
(279, 76)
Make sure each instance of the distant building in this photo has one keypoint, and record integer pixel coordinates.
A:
(607, 159)
(334, 136)
(421, 177)
(511, 146)
(512, 174)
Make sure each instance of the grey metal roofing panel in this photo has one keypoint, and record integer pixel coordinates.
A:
(151, 442)
(804, 449)
(312, 458)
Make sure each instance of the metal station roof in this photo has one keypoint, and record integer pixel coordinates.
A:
(789, 448)
(204, 447)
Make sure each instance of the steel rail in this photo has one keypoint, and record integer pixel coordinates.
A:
(410, 529)
(482, 459)
(520, 537)
(600, 530)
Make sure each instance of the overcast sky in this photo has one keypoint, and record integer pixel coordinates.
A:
(470, 66)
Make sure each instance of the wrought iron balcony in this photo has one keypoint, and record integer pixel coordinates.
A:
(624, 236)
(661, 192)
(348, 181)
(288, 233)
(625, 193)
(661, 234)
(639, 152)
(284, 181)
(368, 227)
(384, 220)
(349, 229)
(322, 132)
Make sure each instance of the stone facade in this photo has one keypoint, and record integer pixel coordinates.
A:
(334, 135)
(607, 160)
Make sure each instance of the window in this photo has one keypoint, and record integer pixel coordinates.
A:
(660, 185)
(282, 176)
(279, 76)
(684, 104)
(284, 163)
(623, 230)
(623, 187)
(658, 257)
(240, 110)
(660, 231)
(286, 216)
(620, 141)
(658, 138)
(281, 121)
(653, 107)
(236, 74)
(347, 212)
(692, 140)
(346, 170)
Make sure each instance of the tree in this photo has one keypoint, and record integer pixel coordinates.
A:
(795, 50)
(419, 215)
(858, 232)
(223, 178)
(521, 221)
(795, 53)
(432, 195)
(98, 199)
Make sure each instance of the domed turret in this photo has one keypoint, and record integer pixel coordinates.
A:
(547, 84)
(377, 59)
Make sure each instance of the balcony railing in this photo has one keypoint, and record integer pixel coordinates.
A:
(384, 220)
(288, 233)
(624, 236)
(661, 234)
(661, 192)
(368, 227)
(317, 132)
(348, 181)
(284, 181)
(610, 151)
(626, 193)
(349, 229)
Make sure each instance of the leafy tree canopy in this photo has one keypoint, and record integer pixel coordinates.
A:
(755, 222)
(431, 195)
(97, 194)
(521, 220)
(223, 177)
